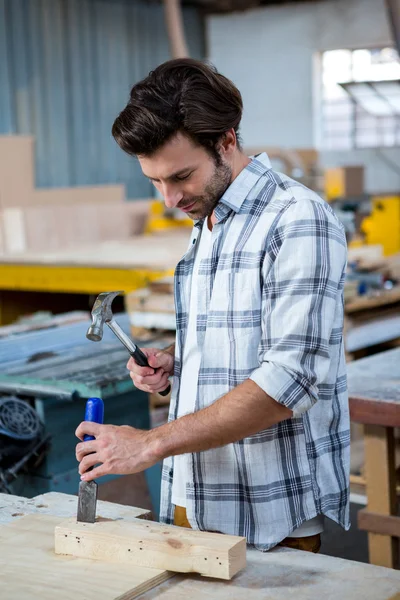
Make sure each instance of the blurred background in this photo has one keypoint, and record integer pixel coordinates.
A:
(321, 87)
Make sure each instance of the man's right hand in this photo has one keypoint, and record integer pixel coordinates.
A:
(152, 379)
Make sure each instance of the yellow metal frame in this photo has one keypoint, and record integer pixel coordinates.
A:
(78, 279)
(383, 224)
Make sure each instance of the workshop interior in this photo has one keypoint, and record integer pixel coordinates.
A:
(88, 252)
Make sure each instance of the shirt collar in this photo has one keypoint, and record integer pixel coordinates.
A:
(240, 187)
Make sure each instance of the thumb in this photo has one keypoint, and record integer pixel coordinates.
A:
(161, 359)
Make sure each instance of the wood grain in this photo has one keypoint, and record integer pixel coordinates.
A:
(381, 490)
(29, 568)
(149, 544)
(376, 523)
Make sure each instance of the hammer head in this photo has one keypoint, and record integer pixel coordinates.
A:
(101, 313)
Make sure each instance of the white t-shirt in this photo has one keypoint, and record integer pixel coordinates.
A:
(190, 368)
(188, 388)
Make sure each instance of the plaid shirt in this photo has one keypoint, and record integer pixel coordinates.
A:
(271, 311)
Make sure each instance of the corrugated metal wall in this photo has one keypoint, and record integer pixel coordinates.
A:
(66, 68)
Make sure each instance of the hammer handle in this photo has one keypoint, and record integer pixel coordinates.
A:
(141, 359)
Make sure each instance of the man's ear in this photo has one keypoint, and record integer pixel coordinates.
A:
(228, 143)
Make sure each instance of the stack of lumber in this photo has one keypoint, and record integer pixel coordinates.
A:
(36, 220)
(152, 307)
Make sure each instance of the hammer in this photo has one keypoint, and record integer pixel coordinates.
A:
(102, 313)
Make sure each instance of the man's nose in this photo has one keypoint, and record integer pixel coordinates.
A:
(172, 196)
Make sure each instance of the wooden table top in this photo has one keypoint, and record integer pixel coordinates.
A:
(279, 574)
(374, 389)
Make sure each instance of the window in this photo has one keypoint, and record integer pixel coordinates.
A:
(360, 98)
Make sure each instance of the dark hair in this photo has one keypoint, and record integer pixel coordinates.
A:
(181, 95)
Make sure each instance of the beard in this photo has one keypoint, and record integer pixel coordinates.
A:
(214, 189)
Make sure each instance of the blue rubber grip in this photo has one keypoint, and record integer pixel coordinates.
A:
(94, 412)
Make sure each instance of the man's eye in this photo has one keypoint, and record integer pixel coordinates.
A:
(183, 177)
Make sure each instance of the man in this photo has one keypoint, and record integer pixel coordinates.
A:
(258, 439)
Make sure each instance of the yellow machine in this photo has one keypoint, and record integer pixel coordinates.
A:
(161, 218)
(382, 226)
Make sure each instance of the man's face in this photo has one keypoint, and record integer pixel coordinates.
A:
(187, 176)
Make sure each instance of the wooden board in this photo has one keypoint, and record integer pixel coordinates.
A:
(150, 544)
(276, 575)
(381, 490)
(64, 506)
(374, 389)
(287, 574)
(159, 252)
(29, 568)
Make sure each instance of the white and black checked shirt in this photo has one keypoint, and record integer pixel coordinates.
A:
(272, 311)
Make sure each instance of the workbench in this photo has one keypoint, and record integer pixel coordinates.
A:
(276, 575)
(374, 397)
(27, 279)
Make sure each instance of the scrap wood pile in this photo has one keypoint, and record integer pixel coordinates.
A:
(152, 308)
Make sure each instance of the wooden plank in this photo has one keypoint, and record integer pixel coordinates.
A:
(29, 568)
(376, 523)
(148, 301)
(280, 573)
(153, 545)
(287, 574)
(161, 252)
(374, 389)
(374, 412)
(162, 286)
(63, 505)
(381, 490)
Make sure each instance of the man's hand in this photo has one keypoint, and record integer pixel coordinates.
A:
(152, 379)
(118, 450)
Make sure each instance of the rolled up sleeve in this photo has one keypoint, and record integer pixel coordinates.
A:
(302, 303)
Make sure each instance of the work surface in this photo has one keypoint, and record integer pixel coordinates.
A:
(276, 575)
(374, 389)
(156, 251)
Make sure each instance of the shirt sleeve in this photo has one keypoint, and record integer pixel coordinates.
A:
(303, 275)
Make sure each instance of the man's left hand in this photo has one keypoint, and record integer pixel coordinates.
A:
(119, 450)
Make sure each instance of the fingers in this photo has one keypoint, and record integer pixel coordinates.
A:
(97, 472)
(85, 448)
(150, 379)
(163, 385)
(87, 462)
(161, 360)
(142, 371)
(155, 383)
(156, 358)
(88, 428)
